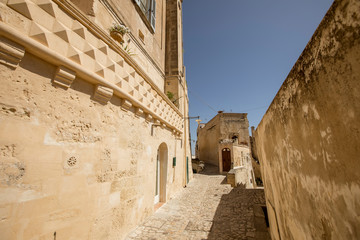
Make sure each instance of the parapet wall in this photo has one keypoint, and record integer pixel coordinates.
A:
(308, 142)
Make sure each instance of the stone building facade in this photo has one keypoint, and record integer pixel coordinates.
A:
(224, 142)
(89, 140)
(308, 142)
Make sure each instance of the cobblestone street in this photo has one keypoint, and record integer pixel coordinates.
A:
(208, 209)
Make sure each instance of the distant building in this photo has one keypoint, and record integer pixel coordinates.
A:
(224, 142)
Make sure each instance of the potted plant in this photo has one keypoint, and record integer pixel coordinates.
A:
(117, 32)
(170, 95)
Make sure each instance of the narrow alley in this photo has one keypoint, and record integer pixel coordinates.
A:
(208, 208)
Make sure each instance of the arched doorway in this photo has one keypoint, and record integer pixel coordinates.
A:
(226, 159)
(161, 173)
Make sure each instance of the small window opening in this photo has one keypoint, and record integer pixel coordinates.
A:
(235, 138)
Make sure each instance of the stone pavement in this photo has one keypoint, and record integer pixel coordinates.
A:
(207, 209)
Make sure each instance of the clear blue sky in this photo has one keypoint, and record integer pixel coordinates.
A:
(238, 52)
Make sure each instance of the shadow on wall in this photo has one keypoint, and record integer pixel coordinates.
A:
(240, 215)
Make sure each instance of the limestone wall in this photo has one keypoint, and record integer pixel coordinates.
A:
(235, 124)
(223, 131)
(81, 122)
(208, 141)
(71, 165)
(243, 166)
(308, 140)
(149, 50)
(147, 47)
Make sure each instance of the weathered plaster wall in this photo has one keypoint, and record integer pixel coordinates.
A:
(208, 140)
(110, 187)
(243, 166)
(308, 140)
(255, 158)
(234, 124)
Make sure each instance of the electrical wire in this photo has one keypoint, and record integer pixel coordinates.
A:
(202, 101)
(252, 109)
(208, 105)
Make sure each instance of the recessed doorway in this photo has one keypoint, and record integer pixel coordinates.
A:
(226, 159)
(161, 174)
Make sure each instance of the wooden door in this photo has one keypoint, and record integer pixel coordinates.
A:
(226, 159)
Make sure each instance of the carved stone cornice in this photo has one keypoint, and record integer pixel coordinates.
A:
(103, 94)
(125, 104)
(89, 54)
(64, 77)
(11, 53)
(41, 50)
(148, 117)
(138, 112)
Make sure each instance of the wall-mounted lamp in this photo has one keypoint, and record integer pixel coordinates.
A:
(197, 117)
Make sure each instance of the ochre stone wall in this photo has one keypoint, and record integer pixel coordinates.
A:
(243, 166)
(71, 165)
(235, 124)
(308, 140)
(174, 66)
(81, 122)
(207, 141)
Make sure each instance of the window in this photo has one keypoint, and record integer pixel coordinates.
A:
(148, 8)
(234, 138)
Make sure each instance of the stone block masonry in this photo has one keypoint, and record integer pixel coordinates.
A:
(308, 141)
(82, 121)
(62, 157)
(208, 209)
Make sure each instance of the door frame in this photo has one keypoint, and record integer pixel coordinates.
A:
(161, 173)
(225, 149)
(157, 179)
